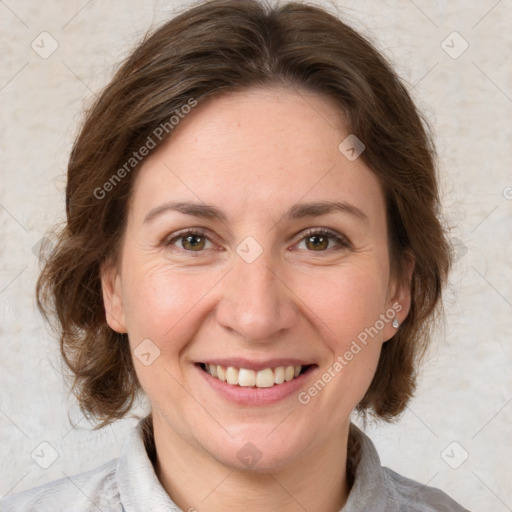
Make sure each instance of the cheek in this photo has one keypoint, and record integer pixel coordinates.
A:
(164, 306)
(160, 301)
(348, 308)
(345, 301)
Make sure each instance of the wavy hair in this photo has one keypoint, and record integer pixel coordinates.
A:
(210, 49)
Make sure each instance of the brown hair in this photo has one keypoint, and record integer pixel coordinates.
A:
(214, 48)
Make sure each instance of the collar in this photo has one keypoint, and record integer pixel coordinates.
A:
(140, 489)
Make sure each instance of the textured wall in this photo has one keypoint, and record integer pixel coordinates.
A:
(465, 391)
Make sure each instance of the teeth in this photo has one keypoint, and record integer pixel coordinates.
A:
(279, 375)
(232, 375)
(249, 378)
(246, 377)
(265, 378)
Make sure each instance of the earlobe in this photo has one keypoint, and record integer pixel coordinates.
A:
(400, 302)
(112, 297)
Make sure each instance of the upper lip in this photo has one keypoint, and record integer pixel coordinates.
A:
(240, 362)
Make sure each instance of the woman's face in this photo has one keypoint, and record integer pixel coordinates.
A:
(258, 287)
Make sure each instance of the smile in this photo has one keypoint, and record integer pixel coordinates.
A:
(256, 383)
(244, 377)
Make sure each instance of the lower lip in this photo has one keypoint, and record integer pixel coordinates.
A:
(256, 396)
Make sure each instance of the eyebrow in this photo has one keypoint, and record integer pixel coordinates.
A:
(297, 211)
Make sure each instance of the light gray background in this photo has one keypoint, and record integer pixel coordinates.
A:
(465, 390)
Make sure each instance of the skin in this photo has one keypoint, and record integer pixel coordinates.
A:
(253, 154)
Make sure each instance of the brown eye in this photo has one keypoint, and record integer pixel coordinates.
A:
(320, 240)
(193, 242)
(317, 242)
(190, 241)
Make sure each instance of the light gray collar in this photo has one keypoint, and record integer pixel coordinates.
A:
(140, 489)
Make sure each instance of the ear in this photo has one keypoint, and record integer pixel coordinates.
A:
(399, 300)
(112, 296)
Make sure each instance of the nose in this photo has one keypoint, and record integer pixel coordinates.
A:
(256, 301)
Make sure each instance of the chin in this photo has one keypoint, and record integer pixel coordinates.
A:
(258, 449)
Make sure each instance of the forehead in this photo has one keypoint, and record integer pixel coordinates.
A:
(254, 151)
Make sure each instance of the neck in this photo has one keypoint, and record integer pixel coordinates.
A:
(196, 481)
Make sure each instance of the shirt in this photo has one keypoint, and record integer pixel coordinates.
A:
(129, 484)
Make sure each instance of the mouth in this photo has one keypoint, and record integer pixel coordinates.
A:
(248, 378)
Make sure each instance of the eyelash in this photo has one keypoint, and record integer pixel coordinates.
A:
(343, 242)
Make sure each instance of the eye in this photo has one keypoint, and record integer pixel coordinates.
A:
(192, 240)
(318, 239)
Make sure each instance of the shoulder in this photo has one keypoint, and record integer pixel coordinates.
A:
(84, 492)
(417, 497)
(379, 488)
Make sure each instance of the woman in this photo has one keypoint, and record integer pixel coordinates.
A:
(252, 242)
